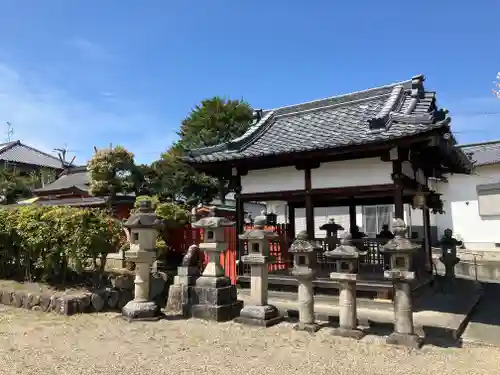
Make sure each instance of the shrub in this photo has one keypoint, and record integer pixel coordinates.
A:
(40, 242)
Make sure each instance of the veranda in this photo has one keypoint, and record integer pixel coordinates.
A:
(378, 146)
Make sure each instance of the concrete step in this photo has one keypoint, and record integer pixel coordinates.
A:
(484, 325)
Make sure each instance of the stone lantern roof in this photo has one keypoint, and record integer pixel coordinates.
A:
(302, 244)
(345, 250)
(400, 243)
(213, 222)
(145, 217)
(258, 232)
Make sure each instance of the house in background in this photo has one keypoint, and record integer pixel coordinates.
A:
(228, 208)
(25, 159)
(472, 203)
(72, 189)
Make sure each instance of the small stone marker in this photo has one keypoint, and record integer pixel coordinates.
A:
(259, 312)
(304, 259)
(143, 227)
(400, 250)
(179, 294)
(214, 297)
(346, 255)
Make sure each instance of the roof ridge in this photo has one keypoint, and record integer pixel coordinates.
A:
(39, 151)
(485, 143)
(366, 91)
(309, 110)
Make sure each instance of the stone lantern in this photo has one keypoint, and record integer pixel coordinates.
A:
(332, 229)
(304, 262)
(347, 256)
(143, 226)
(214, 297)
(258, 312)
(400, 250)
(449, 256)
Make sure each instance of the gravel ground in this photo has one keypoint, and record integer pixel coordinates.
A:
(40, 343)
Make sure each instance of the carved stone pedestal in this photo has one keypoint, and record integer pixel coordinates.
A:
(404, 332)
(306, 302)
(215, 298)
(141, 311)
(348, 320)
(263, 316)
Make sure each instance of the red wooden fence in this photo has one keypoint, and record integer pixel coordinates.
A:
(180, 239)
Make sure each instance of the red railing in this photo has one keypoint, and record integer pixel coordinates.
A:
(180, 240)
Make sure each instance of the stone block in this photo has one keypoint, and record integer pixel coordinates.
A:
(410, 341)
(349, 333)
(68, 305)
(17, 298)
(213, 295)
(218, 313)
(213, 282)
(263, 316)
(308, 327)
(141, 311)
(178, 298)
(7, 297)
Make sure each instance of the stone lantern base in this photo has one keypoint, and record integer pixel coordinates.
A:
(263, 316)
(409, 340)
(215, 298)
(141, 311)
(308, 327)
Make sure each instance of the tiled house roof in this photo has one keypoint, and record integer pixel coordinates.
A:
(16, 152)
(376, 115)
(484, 153)
(77, 177)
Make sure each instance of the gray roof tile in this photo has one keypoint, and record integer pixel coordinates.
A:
(374, 115)
(484, 153)
(16, 152)
(76, 177)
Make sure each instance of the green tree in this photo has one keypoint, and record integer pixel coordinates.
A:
(112, 171)
(214, 121)
(13, 186)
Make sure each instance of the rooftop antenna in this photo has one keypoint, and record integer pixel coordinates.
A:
(61, 153)
(10, 130)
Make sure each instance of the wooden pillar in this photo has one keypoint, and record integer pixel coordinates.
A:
(399, 212)
(240, 213)
(291, 220)
(352, 216)
(309, 204)
(426, 219)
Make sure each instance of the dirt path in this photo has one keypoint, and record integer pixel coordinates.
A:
(38, 343)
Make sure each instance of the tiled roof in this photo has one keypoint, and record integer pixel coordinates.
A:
(375, 115)
(483, 153)
(75, 177)
(74, 202)
(16, 152)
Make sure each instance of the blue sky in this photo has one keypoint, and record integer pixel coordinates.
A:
(87, 73)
